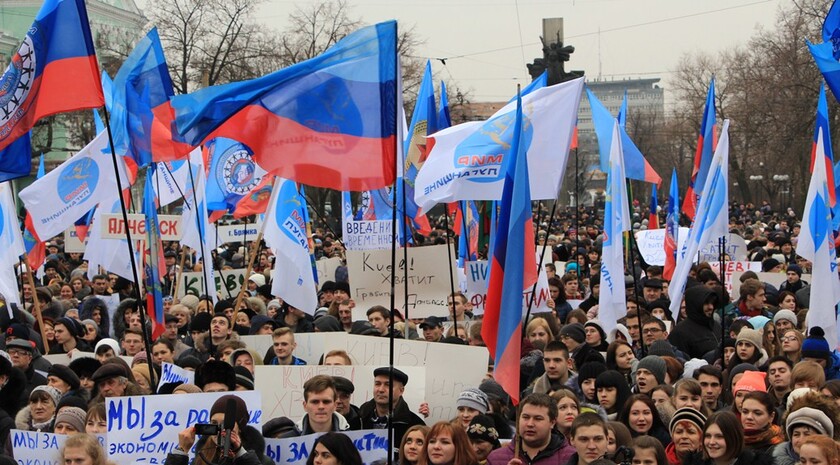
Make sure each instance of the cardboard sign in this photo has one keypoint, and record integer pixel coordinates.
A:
(449, 368)
(428, 280)
(228, 283)
(238, 232)
(113, 226)
(371, 444)
(736, 249)
(326, 268)
(143, 429)
(72, 243)
(33, 448)
(174, 374)
(651, 244)
(478, 278)
(732, 267)
(282, 386)
(310, 346)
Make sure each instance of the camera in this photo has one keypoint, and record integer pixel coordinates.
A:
(623, 455)
(208, 429)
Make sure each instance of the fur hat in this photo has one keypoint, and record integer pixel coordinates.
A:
(201, 322)
(214, 371)
(85, 367)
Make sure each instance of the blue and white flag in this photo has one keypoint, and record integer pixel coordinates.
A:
(171, 179)
(11, 245)
(198, 234)
(232, 173)
(711, 222)
(816, 244)
(612, 303)
(285, 233)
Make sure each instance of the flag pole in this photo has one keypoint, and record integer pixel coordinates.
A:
(397, 142)
(146, 342)
(449, 255)
(721, 264)
(243, 289)
(326, 223)
(37, 305)
(539, 270)
(180, 271)
(406, 232)
(631, 242)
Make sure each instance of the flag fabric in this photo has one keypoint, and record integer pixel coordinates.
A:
(672, 228)
(11, 245)
(467, 236)
(112, 255)
(703, 156)
(828, 153)
(232, 173)
(198, 235)
(538, 83)
(66, 193)
(141, 115)
(653, 219)
(513, 266)
(712, 220)
(285, 234)
(16, 158)
(328, 122)
(171, 179)
(612, 303)
(153, 259)
(467, 161)
(831, 28)
(817, 246)
(36, 249)
(83, 224)
(424, 121)
(256, 202)
(827, 54)
(635, 164)
(41, 169)
(57, 50)
(444, 118)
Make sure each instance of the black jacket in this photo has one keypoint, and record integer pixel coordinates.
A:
(11, 395)
(252, 442)
(585, 354)
(747, 457)
(402, 420)
(695, 335)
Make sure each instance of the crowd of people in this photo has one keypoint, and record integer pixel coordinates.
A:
(730, 380)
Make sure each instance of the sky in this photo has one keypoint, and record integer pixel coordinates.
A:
(486, 43)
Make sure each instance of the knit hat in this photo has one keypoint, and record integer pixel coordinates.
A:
(574, 331)
(73, 327)
(494, 390)
(785, 315)
(758, 322)
(18, 331)
(258, 321)
(108, 342)
(187, 388)
(64, 373)
(654, 365)
(619, 329)
(201, 322)
(139, 357)
(812, 417)
(768, 264)
(244, 377)
(662, 348)
(815, 346)
(751, 381)
(190, 301)
(220, 406)
(687, 414)
(692, 365)
(483, 428)
(590, 370)
(257, 278)
(473, 398)
(327, 324)
(73, 416)
(798, 270)
(142, 370)
(342, 286)
(54, 393)
(750, 335)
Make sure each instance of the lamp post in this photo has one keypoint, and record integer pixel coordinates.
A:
(783, 181)
(756, 178)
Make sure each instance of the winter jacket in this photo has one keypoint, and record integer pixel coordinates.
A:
(746, 457)
(339, 423)
(253, 445)
(783, 454)
(585, 354)
(832, 368)
(695, 335)
(558, 452)
(12, 393)
(403, 419)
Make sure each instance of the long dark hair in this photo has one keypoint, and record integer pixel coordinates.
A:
(624, 414)
(733, 433)
(613, 379)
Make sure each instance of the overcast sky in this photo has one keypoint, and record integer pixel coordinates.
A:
(638, 38)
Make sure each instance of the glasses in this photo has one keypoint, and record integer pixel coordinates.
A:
(651, 330)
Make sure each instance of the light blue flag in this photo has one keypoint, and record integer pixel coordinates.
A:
(41, 170)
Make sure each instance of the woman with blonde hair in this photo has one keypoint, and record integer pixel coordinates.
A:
(82, 448)
(412, 444)
(539, 333)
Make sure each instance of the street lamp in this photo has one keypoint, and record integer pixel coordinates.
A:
(783, 181)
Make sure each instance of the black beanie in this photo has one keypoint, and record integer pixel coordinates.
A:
(220, 406)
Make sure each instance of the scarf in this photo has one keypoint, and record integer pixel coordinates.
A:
(769, 436)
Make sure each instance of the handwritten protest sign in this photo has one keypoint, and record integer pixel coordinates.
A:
(143, 429)
(174, 374)
(428, 280)
(449, 368)
(736, 249)
(310, 346)
(33, 448)
(478, 278)
(282, 386)
(113, 226)
(731, 267)
(371, 444)
(652, 244)
(228, 283)
(776, 279)
(326, 268)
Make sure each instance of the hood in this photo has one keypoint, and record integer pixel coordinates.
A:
(694, 299)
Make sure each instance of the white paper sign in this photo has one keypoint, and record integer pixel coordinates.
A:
(733, 267)
(371, 444)
(282, 386)
(192, 283)
(33, 448)
(174, 374)
(478, 278)
(72, 243)
(651, 244)
(238, 232)
(326, 268)
(428, 280)
(143, 429)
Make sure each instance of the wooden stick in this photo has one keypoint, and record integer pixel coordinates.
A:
(247, 275)
(37, 306)
(180, 272)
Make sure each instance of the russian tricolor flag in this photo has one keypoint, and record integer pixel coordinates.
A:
(58, 49)
(827, 154)
(706, 145)
(513, 266)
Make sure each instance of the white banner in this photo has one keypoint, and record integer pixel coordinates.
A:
(34, 448)
(143, 429)
(371, 444)
(228, 283)
(478, 277)
(238, 232)
(174, 374)
(113, 226)
(428, 280)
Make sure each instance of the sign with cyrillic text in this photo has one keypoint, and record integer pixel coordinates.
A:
(113, 226)
(371, 444)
